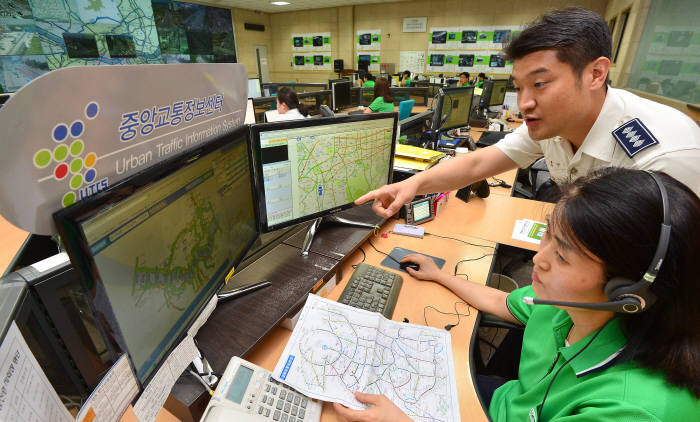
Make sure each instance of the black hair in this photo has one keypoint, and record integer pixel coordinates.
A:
(466, 75)
(407, 73)
(578, 35)
(288, 96)
(615, 214)
(482, 74)
(381, 89)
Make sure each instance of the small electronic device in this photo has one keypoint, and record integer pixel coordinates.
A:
(409, 264)
(408, 230)
(419, 211)
(247, 393)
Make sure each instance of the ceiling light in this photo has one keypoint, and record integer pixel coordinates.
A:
(280, 3)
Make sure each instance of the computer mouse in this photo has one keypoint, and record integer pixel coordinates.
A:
(409, 264)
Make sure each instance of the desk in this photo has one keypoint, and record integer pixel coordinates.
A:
(485, 221)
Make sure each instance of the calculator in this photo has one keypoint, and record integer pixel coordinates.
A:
(247, 393)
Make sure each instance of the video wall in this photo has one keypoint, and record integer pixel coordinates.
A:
(37, 36)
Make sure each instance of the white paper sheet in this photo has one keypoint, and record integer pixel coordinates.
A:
(155, 394)
(529, 231)
(25, 392)
(112, 395)
(337, 349)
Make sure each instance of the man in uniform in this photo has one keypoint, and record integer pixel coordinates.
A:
(571, 117)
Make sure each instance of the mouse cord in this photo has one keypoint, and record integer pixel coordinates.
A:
(383, 253)
(448, 327)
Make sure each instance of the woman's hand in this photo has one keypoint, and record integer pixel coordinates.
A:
(381, 410)
(428, 269)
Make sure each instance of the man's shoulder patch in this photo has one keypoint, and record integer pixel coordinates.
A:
(633, 137)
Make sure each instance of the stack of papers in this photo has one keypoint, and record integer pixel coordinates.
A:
(337, 349)
(529, 231)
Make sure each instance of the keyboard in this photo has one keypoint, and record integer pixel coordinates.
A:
(489, 138)
(372, 289)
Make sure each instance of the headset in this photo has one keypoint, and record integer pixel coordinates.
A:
(627, 295)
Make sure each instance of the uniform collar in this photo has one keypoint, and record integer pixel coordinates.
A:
(597, 143)
(600, 354)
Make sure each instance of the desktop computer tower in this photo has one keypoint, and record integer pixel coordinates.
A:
(53, 315)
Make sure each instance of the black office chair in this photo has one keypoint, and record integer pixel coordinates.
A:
(539, 185)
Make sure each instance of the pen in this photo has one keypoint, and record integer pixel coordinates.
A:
(242, 290)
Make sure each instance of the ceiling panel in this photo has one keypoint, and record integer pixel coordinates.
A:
(267, 6)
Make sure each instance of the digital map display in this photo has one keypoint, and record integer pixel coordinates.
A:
(160, 252)
(323, 167)
(337, 349)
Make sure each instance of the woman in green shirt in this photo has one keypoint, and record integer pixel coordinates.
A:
(366, 80)
(593, 364)
(383, 101)
(406, 79)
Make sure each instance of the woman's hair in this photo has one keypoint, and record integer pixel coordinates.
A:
(616, 215)
(288, 96)
(381, 89)
(407, 73)
(482, 75)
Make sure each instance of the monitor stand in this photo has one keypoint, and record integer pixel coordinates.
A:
(313, 228)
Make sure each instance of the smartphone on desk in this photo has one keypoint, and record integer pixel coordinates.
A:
(248, 393)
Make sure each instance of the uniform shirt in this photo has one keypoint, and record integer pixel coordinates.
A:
(379, 106)
(593, 386)
(291, 114)
(660, 138)
(368, 84)
(407, 82)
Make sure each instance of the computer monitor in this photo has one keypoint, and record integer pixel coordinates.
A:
(332, 81)
(411, 128)
(310, 168)
(453, 108)
(270, 90)
(493, 93)
(341, 97)
(154, 248)
(254, 88)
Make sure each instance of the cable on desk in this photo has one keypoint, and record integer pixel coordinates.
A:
(383, 253)
(459, 240)
(499, 183)
(201, 380)
(468, 260)
(364, 256)
(448, 327)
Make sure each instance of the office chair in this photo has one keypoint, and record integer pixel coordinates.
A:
(405, 108)
(325, 111)
(542, 188)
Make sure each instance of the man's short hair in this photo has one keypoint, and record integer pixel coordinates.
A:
(578, 35)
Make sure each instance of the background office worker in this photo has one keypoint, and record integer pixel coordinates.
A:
(383, 101)
(406, 78)
(463, 79)
(480, 80)
(595, 365)
(288, 105)
(365, 80)
(572, 118)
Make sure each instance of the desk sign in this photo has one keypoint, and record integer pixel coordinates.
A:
(73, 132)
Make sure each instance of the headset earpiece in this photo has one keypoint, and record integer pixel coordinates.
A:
(614, 285)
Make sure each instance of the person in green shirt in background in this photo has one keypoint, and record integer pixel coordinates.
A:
(406, 79)
(366, 80)
(480, 80)
(463, 79)
(383, 101)
(593, 364)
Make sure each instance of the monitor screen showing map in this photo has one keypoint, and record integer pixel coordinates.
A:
(159, 244)
(313, 167)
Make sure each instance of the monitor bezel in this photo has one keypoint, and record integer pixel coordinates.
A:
(257, 129)
(489, 84)
(437, 117)
(349, 91)
(68, 222)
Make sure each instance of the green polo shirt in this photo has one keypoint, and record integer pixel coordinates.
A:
(379, 106)
(407, 82)
(368, 84)
(479, 84)
(593, 386)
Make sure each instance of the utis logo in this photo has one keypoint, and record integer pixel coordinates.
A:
(69, 161)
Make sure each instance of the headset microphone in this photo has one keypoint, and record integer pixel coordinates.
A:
(628, 304)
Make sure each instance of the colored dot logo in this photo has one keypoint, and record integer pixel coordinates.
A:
(67, 158)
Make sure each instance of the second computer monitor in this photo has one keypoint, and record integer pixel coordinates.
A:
(494, 92)
(309, 168)
(341, 95)
(254, 88)
(453, 108)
